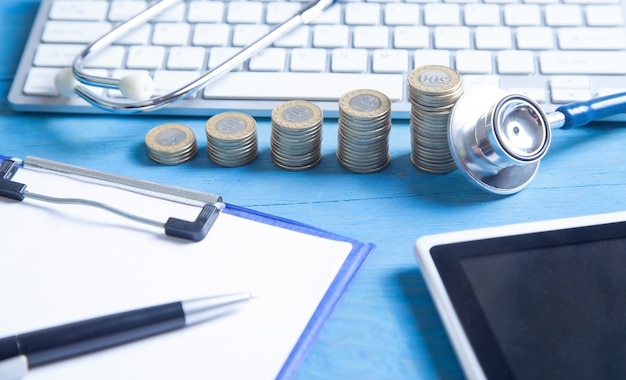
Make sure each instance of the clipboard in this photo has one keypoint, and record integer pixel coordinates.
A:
(61, 263)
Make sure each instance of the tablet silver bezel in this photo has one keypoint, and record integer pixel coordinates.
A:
(423, 245)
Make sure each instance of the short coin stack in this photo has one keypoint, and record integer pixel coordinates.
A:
(433, 91)
(296, 140)
(364, 126)
(231, 139)
(171, 144)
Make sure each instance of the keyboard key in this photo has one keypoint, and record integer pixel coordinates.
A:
(522, 15)
(122, 10)
(280, 12)
(245, 34)
(604, 15)
(40, 81)
(349, 60)
(452, 37)
(474, 81)
(244, 12)
(604, 91)
(301, 85)
(332, 15)
(330, 36)
(390, 61)
(175, 13)
(570, 81)
(219, 55)
(401, 14)
(534, 38)
(139, 36)
(473, 62)
(74, 31)
(171, 34)
(211, 35)
(591, 1)
(145, 57)
(503, 1)
(562, 96)
(186, 58)
(482, 14)
(373, 37)
(56, 55)
(441, 14)
(205, 11)
(493, 37)
(362, 14)
(110, 58)
(297, 38)
(411, 37)
(79, 10)
(313, 60)
(515, 62)
(592, 38)
(563, 15)
(431, 57)
(270, 59)
(170, 80)
(582, 62)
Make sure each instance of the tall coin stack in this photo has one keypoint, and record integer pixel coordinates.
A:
(231, 139)
(433, 91)
(296, 142)
(171, 144)
(364, 126)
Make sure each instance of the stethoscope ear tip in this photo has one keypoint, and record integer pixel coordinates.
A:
(137, 86)
(65, 82)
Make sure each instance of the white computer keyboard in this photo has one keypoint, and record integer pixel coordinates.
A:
(555, 51)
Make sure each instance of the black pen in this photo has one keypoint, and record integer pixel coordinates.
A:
(20, 352)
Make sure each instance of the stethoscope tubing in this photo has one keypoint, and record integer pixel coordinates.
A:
(305, 15)
(581, 113)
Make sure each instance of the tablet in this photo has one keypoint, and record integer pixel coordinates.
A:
(543, 300)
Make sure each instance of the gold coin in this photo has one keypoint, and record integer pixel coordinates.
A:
(364, 104)
(230, 126)
(231, 139)
(434, 80)
(297, 115)
(171, 143)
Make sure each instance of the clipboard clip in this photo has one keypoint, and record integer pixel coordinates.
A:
(190, 230)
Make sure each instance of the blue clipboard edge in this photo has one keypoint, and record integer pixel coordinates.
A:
(335, 293)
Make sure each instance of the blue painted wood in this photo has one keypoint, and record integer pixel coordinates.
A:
(387, 326)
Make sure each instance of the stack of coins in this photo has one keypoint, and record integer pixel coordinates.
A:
(296, 142)
(231, 139)
(433, 91)
(364, 125)
(171, 144)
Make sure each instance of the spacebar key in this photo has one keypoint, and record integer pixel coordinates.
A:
(292, 86)
(583, 62)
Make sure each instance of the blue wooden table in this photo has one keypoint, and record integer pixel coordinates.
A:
(387, 326)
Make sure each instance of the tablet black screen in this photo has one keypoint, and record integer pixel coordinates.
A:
(548, 307)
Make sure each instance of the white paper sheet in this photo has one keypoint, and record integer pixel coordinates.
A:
(62, 263)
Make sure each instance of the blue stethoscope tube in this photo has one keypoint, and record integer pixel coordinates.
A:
(580, 113)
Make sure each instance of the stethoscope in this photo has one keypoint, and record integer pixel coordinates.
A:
(497, 139)
(498, 150)
(138, 88)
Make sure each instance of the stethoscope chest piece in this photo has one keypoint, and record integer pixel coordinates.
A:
(498, 150)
